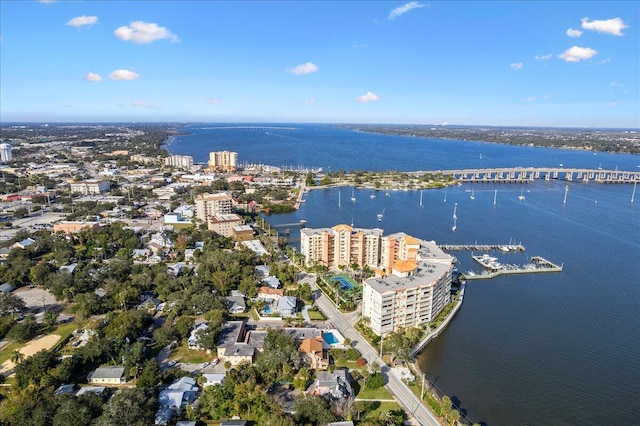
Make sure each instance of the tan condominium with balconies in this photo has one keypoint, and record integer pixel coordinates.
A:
(213, 204)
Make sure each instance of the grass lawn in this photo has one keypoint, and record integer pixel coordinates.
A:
(384, 406)
(380, 393)
(184, 354)
(316, 315)
(6, 352)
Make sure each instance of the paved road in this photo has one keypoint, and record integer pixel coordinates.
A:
(395, 384)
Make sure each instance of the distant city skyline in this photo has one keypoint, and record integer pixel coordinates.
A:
(544, 64)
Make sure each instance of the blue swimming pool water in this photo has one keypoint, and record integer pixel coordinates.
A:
(266, 309)
(344, 283)
(330, 338)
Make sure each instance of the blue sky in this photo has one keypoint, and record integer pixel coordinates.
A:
(560, 64)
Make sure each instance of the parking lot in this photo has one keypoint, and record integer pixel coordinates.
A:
(38, 299)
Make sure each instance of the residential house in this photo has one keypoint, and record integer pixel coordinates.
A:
(108, 375)
(335, 385)
(212, 379)
(4, 253)
(69, 268)
(98, 390)
(192, 342)
(24, 243)
(7, 288)
(174, 399)
(269, 294)
(314, 354)
(255, 246)
(287, 306)
(149, 303)
(236, 304)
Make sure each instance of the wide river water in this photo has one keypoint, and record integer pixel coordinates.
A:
(539, 349)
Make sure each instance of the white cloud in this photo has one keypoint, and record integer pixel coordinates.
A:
(401, 10)
(577, 54)
(517, 66)
(360, 46)
(543, 57)
(80, 21)
(123, 75)
(612, 104)
(213, 101)
(140, 32)
(143, 104)
(530, 99)
(46, 1)
(368, 97)
(310, 101)
(617, 84)
(574, 33)
(608, 26)
(93, 77)
(302, 69)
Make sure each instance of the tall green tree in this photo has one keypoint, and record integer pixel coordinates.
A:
(131, 407)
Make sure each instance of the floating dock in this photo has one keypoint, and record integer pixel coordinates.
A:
(492, 268)
(483, 247)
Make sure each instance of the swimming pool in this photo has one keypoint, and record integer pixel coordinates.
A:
(330, 338)
(345, 284)
(266, 310)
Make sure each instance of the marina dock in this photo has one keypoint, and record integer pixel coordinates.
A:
(492, 268)
(483, 247)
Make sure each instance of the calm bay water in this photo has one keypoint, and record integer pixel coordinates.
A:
(540, 349)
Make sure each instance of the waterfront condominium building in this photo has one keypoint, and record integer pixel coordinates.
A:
(90, 187)
(212, 204)
(179, 161)
(341, 245)
(223, 160)
(5, 152)
(413, 293)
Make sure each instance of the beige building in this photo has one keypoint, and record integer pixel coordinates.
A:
(213, 204)
(108, 375)
(341, 245)
(223, 160)
(413, 293)
(70, 227)
(91, 186)
(224, 224)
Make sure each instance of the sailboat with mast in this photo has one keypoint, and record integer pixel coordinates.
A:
(420, 198)
(473, 197)
(353, 196)
(633, 194)
(455, 217)
(521, 196)
(380, 216)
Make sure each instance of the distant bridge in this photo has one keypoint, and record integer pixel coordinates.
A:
(529, 174)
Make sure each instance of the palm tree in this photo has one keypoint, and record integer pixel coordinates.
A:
(16, 356)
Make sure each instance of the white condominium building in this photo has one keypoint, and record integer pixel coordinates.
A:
(223, 160)
(179, 161)
(212, 204)
(5, 152)
(413, 294)
(91, 186)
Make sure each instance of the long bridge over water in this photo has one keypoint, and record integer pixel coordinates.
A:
(529, 174)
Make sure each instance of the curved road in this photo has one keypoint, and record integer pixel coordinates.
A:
(396, 386)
